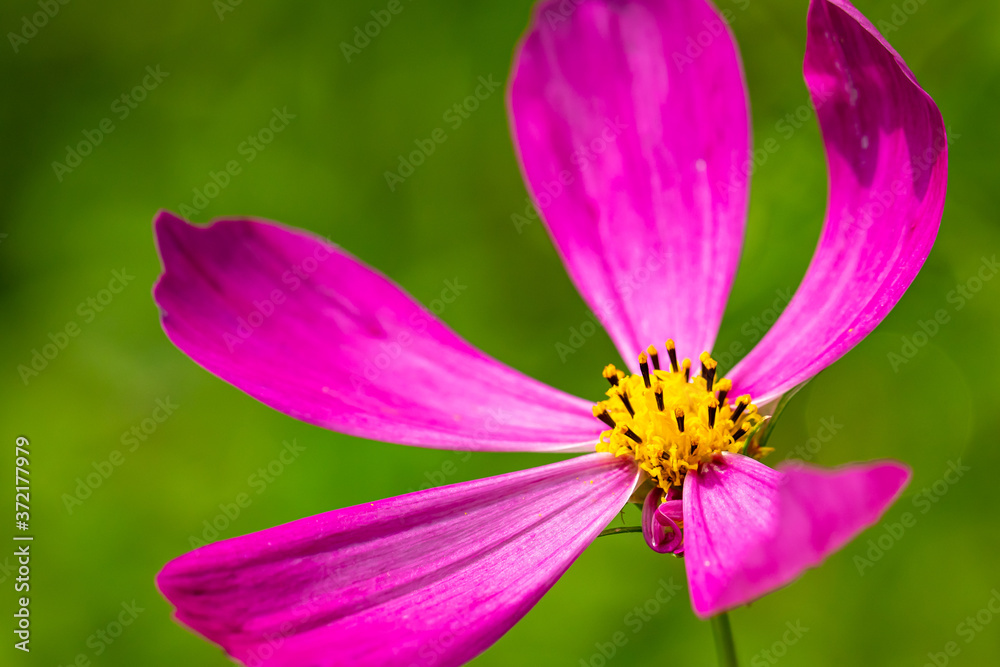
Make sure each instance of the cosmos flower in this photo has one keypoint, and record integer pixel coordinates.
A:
(435, 577)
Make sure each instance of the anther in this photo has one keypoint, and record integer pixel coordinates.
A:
(672, 353)
(708, 366)
(723, 421)
(603, 415)
(631, 434)
(644, 367)
(611, 374)
(628, 403)
(741, 405)
(654, 356)
(724, 387)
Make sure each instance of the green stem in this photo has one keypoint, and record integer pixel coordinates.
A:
(620, 530)
(724, 645)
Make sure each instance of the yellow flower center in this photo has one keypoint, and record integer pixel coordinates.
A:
(671, 423)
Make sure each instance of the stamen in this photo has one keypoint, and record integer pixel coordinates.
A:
(672, 353)
(641, 409)
(644, 367)
(631, 435)
(628, 403)
(603, 415)
(708, 366)
(741, 405)
(724, 387)
(654, 356)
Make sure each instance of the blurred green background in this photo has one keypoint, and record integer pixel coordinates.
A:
(225, 67)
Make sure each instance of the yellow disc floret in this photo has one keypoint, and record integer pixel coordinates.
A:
(671, 423)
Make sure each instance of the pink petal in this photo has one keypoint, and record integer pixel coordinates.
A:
(430, 578)
(886, 146)
(749, 530)
(633, 138)
(302, 326)
(659, 523)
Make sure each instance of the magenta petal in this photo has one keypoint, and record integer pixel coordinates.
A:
(886, 148)
(633, 151)
(433, 577)
(302, 326)
(749, 529)
(659, 523)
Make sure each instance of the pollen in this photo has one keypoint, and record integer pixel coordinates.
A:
(671, 423)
